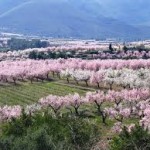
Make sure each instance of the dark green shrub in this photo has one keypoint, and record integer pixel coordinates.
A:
(48, 133)
(137, 139)
(18, 127)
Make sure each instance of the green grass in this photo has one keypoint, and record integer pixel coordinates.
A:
(27, 93)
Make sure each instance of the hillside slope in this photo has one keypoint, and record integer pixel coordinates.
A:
(130, 11)
(65, 18)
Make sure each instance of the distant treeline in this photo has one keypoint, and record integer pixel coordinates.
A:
(51, 55)
(125, 53)
(21, 44)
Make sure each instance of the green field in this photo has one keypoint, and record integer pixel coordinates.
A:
(27, 93)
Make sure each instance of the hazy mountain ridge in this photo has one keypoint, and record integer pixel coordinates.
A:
(66, 18)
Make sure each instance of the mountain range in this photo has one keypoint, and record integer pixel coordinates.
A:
(123, 19)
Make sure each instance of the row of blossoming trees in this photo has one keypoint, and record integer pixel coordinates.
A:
(135, 73)
(79, 49)
(122, 55)
(131, 102)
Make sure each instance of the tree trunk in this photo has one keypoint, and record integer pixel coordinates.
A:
(31, 81)
(76, 111)
(47, 76)
(58, 75)
(6, 80)
(53, 73)
(68, 80)
(111, 86)
(86, 83)
(101, 113)
(14, 81)
(98, 85)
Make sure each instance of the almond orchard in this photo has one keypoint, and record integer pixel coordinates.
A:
(120, 96)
